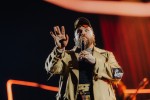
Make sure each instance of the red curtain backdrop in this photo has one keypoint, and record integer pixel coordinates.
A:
(129, 39)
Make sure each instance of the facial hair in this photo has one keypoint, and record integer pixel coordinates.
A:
(88, 42)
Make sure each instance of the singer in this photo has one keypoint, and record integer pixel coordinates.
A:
(86, 72)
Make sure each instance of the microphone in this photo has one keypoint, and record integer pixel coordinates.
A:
(81, 41)
(82, 45)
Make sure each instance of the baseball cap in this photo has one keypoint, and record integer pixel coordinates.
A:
(82, 21)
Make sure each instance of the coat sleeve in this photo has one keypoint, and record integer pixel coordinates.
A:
(108, 68)
(53, 63)
(113, 71)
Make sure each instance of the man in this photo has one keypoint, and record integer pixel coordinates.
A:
(86, 72)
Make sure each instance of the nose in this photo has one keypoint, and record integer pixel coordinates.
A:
(82, 33)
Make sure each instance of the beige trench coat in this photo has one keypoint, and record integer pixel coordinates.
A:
(66, 64)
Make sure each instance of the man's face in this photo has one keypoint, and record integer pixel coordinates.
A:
(84, 34)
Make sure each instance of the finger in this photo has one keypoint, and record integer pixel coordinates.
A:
(58, 30)
(84, 52)
(63, 30)
(81, 53)
(52, 34)
(55, 31)
(67, 38)
(83, 57)
(86, 56)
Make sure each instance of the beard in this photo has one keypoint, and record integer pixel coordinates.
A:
(84, 43)
(88, 42)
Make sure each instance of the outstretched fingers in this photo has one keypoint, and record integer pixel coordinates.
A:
(61, 39)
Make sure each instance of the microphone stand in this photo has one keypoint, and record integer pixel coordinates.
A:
(142, 85)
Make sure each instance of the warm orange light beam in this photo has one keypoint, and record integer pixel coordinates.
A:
(121, 8)
(25, 83)
(50, 88)
(139, 91)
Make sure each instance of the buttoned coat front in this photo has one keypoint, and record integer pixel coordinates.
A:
(66, 64)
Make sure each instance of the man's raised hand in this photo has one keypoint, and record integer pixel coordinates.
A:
(61, 39)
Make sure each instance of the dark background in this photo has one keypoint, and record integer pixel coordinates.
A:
(25, 43)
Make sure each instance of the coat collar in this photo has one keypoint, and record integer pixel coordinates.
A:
(96, 51)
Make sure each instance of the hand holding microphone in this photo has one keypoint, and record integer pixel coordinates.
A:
(87, 56)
